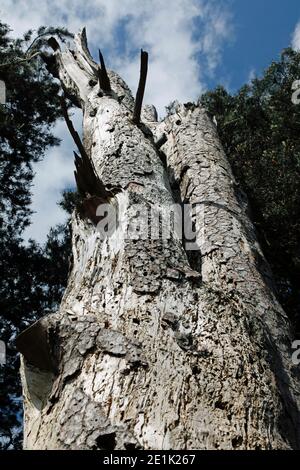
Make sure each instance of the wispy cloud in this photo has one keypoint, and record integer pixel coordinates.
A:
(184, 39)
(251, 75)
(53, 174)
(296, 37)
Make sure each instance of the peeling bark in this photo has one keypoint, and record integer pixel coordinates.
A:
(155, 346)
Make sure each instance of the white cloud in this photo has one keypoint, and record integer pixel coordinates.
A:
(251, 75)
(296, 38)
(53, 174)
(184, 39)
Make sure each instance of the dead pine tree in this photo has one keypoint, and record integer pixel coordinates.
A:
(160, 342)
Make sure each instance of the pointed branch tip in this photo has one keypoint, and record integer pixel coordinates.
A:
(141, 87)
(104, 81)
(71, 128)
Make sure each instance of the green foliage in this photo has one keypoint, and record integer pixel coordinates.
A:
(32, 107)
(259, 127)
(34, 280)
(34, 276)
(70, 200)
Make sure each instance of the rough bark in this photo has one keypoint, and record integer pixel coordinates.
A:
(156, 346)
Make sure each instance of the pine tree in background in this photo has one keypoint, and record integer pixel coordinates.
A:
(33, 277)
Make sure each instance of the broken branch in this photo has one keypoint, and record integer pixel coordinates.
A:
(71, 128)
(104, 81)
(141, 88)
(161, 141)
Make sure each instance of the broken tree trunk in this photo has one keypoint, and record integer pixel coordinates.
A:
(159, 343)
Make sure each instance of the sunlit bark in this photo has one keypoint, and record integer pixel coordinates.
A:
(155, 345)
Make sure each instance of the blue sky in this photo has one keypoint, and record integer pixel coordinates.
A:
(193, 45)
(261, 29)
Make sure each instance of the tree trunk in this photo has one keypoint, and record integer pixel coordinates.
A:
(159, 343)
